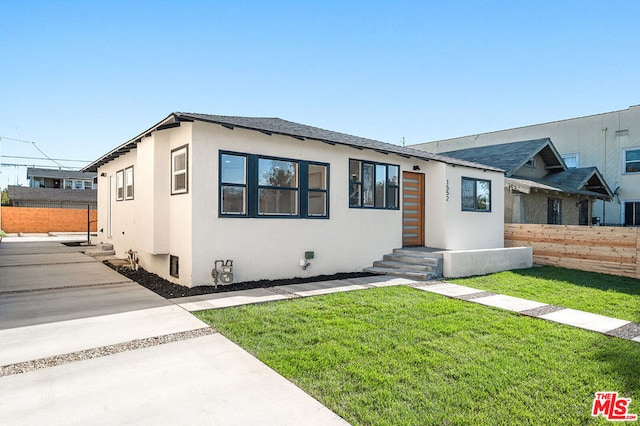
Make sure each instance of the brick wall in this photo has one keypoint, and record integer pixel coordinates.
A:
(40, 220)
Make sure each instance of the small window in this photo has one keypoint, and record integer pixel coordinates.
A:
(78, 184)
(373, 185)
(128, 183)
(631, 160)
(554, 211)
(120, 185)
(179, 171)
(571, 160)
(88, 184)
(531, 163)
(476, 195)
(632, 213)
(68, 184)
(174, 266)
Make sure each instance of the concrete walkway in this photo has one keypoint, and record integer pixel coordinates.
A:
(585, 320)
(81, 344)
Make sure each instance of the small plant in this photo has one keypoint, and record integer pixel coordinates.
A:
(2, 233)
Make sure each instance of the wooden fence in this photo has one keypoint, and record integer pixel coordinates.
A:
(42, 220)
(610, 250)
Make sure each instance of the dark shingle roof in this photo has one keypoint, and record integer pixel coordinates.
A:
(582, 180)
(58, 174)
(510, 156)
(25, 193)
(287, 128)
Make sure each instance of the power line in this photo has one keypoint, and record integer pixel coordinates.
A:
(37, 165)
(34, 145)
(41, 158)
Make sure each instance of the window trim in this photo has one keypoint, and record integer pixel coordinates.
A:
(624, 160)
(119, 181)
(128, 196)
(252, 187)
(174, 153)
(475, 195)
(387, 190)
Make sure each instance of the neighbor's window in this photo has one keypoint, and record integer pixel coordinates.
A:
(554, 211)
(128, 183)
(120, 185)
(632, 213)
(179, 171)
(255, 186)
(531, 162)
(631, 160)
(373, 185)
(77, 184)
(68, 184)
(88, 184)
(476, 195)
(571, 160)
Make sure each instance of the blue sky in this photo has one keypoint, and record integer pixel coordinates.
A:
(81, 77)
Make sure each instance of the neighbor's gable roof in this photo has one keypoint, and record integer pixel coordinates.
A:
(58, 174)
(512, 156)
(277, 126)
(582, 179)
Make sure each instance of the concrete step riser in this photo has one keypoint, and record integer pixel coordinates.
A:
(405, 266)
(410, 259)
(400, 273)
(418, 253)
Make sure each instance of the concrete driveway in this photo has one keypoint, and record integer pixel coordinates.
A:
(80, 343)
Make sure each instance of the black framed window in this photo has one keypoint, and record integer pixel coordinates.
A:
(632, 213)
(373, 185)
(554, 211)
(261, 186)
(476, 195)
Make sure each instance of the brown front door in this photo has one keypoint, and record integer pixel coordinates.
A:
(412, 209)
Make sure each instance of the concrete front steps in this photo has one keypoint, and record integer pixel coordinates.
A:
(102, 249)
(419, 263)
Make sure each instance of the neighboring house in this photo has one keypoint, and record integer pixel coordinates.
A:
(609, 141)
(62, 179)
(272, 195)
(24, 196)
(539, 187)
(53, 188)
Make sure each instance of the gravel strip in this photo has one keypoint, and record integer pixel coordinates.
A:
(542, 310)
(53, 361)
(283, 292)
(627, 331)
(65, 287)
(474, 296)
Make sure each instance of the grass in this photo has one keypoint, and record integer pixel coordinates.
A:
(401, 356)
(603, 294)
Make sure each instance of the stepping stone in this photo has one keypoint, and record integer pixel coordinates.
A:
(323, 287)
(509, 303)
(585, 320)
(451, 290)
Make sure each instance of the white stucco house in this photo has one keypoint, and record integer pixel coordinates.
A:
(265, 192)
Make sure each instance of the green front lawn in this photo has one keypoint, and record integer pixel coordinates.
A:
(401, 356)
(603, 294)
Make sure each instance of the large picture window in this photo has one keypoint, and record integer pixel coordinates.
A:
(373, 185)
(631, 160)
(260, 186)
(179, 171)
(476, 195)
